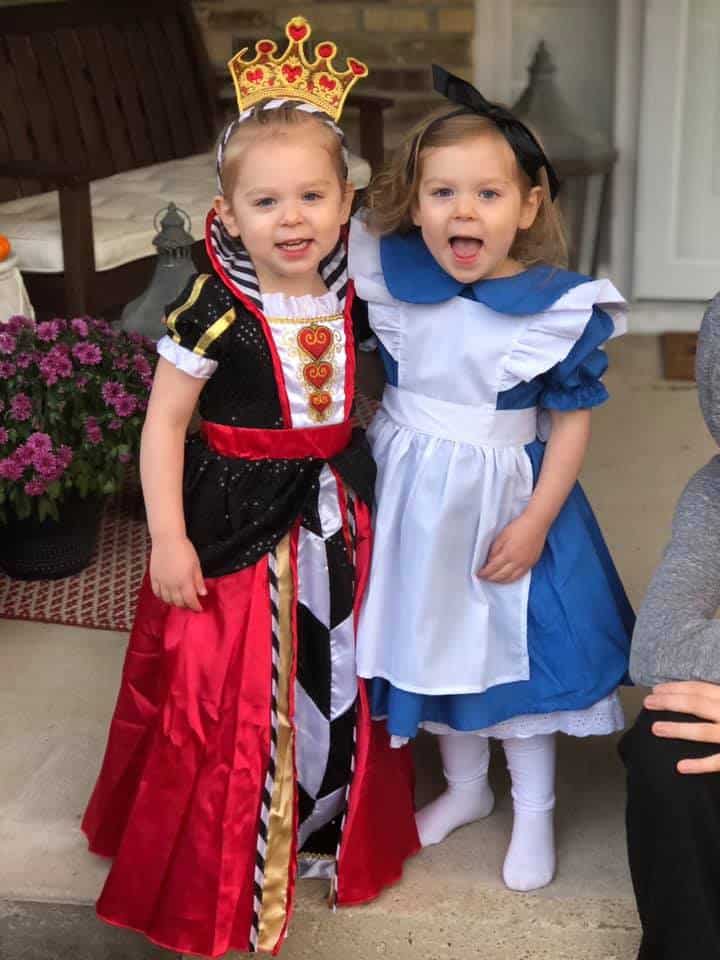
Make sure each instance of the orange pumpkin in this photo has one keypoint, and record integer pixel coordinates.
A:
(4, 247)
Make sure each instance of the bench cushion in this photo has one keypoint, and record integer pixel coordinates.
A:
(123, 208)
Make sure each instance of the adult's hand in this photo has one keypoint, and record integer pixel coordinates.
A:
(695, 697)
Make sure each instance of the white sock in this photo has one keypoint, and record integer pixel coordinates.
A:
(530, 860)
(468, 795)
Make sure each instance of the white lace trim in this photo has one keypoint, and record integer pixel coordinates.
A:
(300, 308)
(602, 718)
(201, 368)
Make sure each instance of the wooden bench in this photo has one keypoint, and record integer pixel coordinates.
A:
(113, 104)
(89, 90)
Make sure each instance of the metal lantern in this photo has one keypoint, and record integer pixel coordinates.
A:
(173, 269)
(583, 157)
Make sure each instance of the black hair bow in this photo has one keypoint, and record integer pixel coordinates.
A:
(528, 151)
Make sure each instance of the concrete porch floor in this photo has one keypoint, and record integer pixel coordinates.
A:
(57, 689)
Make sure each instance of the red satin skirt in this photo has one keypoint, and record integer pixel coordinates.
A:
(198, 789)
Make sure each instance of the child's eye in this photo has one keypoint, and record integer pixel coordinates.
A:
(312, 195)
(264, 202)
(441, 192)
(488, 194)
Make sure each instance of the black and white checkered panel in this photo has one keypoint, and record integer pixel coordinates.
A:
(326, 685)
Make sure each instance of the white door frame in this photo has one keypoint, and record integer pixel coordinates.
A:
(646, 316)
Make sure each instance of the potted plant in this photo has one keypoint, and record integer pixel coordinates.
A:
(72, 400)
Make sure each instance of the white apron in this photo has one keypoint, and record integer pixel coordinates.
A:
(452, 473)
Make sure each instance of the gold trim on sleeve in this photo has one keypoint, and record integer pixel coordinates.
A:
(214, 331)
(171, 320)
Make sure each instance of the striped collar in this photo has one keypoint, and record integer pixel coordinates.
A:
(235, 268)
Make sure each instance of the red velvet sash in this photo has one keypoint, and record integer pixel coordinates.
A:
(246, 443)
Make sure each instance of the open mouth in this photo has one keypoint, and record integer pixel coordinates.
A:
(465, 249)
(294, 246)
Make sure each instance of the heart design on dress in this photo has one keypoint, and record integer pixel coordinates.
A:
(315, 341)
(298, 31)
(318, 374)
(320, 401)
(266, 46)
(327, 82)
(291, 73)
(326, 50)
(254, 76)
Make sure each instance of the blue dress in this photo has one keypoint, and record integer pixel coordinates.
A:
(471, 373)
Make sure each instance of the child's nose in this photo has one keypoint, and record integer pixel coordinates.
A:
(465, 207)
(292, 213)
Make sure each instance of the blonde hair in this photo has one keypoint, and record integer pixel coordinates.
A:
(393, 193)
(277, 122)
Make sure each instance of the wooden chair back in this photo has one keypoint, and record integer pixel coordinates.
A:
(98, 87)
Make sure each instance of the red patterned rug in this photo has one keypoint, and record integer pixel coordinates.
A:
(103, 595)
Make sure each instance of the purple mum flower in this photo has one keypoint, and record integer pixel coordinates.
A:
(21, 407)
(124, 457)
(11, 469)
(142, 366)
(88, 353)
(112, 391)
(47, 330)
(120, 362)
(24, 455)
(115, 424)
(46, 465)
(23, 360)
(39, 442)
(79, 326)
(7, 343)
(93, 431)
(17, 323)
(125, 406)
(35, 488)
(7, 369)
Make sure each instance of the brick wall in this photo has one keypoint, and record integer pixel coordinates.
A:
(398, 39)
(394, 38)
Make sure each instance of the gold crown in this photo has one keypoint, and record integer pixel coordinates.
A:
(292, 75)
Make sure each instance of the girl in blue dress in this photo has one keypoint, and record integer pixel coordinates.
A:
(493, 607)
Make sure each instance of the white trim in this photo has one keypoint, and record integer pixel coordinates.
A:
(628, 88)
(492, 49)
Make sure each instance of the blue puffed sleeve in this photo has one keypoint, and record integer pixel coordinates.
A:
(575, 382)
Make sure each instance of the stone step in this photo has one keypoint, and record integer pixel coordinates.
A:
(57, 689)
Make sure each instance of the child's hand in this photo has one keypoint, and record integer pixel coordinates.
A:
(514, 551)
(175, 573)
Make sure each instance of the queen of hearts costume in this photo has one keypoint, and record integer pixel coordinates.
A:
(241, 754)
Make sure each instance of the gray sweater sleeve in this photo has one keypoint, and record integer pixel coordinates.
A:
(676, 637)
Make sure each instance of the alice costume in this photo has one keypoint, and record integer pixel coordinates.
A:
(241, 754)
(459, 441)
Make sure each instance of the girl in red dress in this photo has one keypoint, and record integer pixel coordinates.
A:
(241, 754)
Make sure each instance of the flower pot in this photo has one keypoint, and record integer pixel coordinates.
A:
(51, 549)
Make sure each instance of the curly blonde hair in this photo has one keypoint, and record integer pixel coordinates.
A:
(393, 193)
